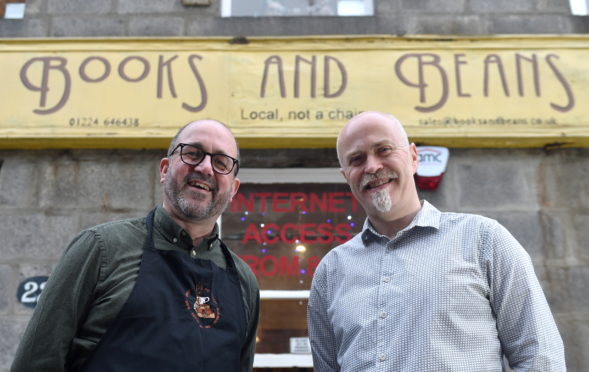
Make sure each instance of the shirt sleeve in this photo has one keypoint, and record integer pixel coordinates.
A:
(61, 307)
(321, 335)
(527, 330)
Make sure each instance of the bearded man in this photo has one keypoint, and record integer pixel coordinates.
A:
(419, 289)
(156, 293)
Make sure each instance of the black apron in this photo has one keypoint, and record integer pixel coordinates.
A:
(183, 314)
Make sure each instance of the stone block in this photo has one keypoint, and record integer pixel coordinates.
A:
(35, 7)
(555, 230)
(575, 334)
(36, 236)
(434, 6)
(79, 7)
(502, 6)
(555, 285)
(565, 178)
(579, 288)
(149, 6)
(529, 24)
(557, 7)
(196, 2)
(526, 227)
(568, 290)
(120, 183)
(387, 9)
(7, 284)
(442, 24)
(580, 234)
(11, 330)
(80, 26)
(507, 180)
(31, 27)
(156, 26)
(18, 180)
(579, 25)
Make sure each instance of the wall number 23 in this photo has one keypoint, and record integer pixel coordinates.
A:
(29, 291)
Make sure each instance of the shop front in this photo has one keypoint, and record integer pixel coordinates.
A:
(280, 94)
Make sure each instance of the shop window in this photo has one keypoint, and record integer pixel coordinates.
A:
(579, 7)
(294, 8)
(282, 222)
(12, 9)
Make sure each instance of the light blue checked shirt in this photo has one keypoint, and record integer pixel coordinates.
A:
(450, 292)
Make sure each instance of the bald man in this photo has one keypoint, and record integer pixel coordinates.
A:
(419, 289)
(156, 293)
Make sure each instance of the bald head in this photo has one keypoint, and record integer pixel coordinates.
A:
(196, 123)
(362, 123)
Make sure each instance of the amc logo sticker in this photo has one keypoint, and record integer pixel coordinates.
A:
(432, 166)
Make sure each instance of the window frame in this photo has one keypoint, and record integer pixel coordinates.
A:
(277, 176)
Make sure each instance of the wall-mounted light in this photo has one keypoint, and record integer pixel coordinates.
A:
(432, 166)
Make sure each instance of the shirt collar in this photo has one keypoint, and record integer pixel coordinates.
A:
(428, 216)
(175, 234)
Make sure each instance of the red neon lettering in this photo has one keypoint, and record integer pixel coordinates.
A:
(277, 202)
(240, 202)
(319, 202)
(263, 196)
(325, 233)
(251, 234)
(273, 261)
(307, 234)
(283, 233)
(334, 202)
(298, 199)
(291, 269)
(343, 229)
(268, 228)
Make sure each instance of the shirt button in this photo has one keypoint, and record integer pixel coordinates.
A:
(386, 279)
(383, 315)
(193, 253)
(382, 358)
(175, 240)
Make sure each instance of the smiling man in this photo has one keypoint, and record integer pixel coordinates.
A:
(156, 293)
(419, 289)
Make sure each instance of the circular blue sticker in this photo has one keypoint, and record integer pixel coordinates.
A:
(30, 289)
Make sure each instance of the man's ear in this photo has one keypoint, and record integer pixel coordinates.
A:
(236, 183)
(341, 170)
(414, 157)
(164, 167)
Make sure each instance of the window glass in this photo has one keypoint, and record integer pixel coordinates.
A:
(282, 231)
(290, 8)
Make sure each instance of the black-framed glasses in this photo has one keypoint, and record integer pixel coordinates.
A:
(192, 155)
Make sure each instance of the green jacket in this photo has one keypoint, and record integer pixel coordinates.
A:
(92, 282)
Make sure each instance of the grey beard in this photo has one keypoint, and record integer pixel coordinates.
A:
(382, 201)
(190, 211)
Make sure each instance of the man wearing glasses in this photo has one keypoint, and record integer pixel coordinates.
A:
(157, 293)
